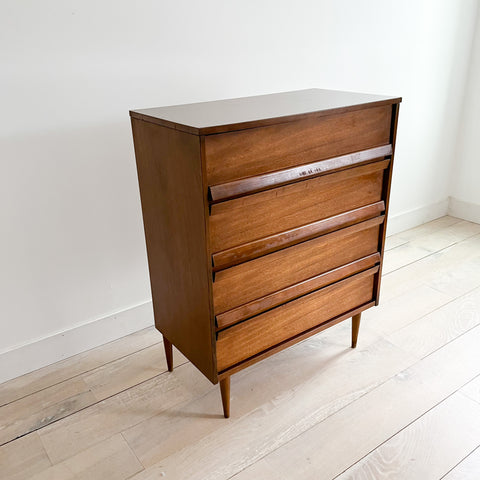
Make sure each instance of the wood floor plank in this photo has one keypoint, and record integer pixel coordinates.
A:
(467, 469)
(81, 430)
(426, 229)
(397, 312)
(21, 459)
(427, 448)
(51, 404)
(472, 390)
(42, 408)
(434, 330)
(332, 446)
(111, 459)
(65, 369)
(452, 265)
(292, 397)
(278, 378)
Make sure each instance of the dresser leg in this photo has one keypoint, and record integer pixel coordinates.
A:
(355, 328)
(168, 354)
(225, 390)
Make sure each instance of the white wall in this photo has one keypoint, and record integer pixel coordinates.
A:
(71, 244)
(465, 189)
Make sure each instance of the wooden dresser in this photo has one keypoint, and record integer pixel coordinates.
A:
(264, 220)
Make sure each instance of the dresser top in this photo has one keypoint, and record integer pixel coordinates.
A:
(247, 112)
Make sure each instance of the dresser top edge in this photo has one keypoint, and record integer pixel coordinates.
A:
(221, 116)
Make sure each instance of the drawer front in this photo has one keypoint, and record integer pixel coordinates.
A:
(264, 331)
(254, 151)
(264, 275)
(242, 220)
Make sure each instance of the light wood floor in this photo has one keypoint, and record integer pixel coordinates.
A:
(405, 404)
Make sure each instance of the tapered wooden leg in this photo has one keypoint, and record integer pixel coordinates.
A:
(355, 328)
(225, 390)
(168, 354)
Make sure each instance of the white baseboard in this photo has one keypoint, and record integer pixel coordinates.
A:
(45, 351)
(465, 210)
(51, 349)
(403, 221)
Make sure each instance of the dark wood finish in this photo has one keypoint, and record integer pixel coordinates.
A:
(171, 190)
(245, 186)
(168, 353)
(256, 151)
(355, 328)
(263, 246)
(225, 391)
(264, 220)
(264, 331)
(270, 273)
(240, 113)
(386, 195)
(272, 300)
(246, 219)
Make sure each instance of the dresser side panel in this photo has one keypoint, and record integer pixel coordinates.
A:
(172, 194)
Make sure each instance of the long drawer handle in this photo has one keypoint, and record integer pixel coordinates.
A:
(287, 294)
(262, 246)
(245, 186)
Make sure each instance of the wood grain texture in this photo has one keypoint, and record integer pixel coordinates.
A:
(467, 469)
(247, 112)
(427, 448)
(249, 185)
(112, 459)
(172, 194)
(262, 304)
(255, 151)
(387, 183)
(372, 419)
(21, 459)
(70, 367)
(288, 397)
(251, 337)
(263, 246)
(242, 220)
(262, 276)
(51, 404)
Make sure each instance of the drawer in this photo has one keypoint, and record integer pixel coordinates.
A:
(252, 217)
(253, 151)
(275, 326)
(267, 274)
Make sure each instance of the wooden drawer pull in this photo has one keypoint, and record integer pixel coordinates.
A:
(245, 186)
(263, 304)
(248, 251)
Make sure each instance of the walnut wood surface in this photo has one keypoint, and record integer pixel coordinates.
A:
(225, 391)
(242, 220)
(247, 112)
(272, 300)
(251, 280)
(355, 329)
(263, 246)
(172, 194)
(256, 151)
(168, 353)
(387, 182)
(264, 331)
(258, 183)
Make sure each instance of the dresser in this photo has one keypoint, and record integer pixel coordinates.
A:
(264, 219)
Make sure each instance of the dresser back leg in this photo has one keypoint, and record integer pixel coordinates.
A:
(168, 354)
(225, 390)
(355, 328)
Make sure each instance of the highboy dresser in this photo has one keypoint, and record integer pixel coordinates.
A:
(264, 220)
